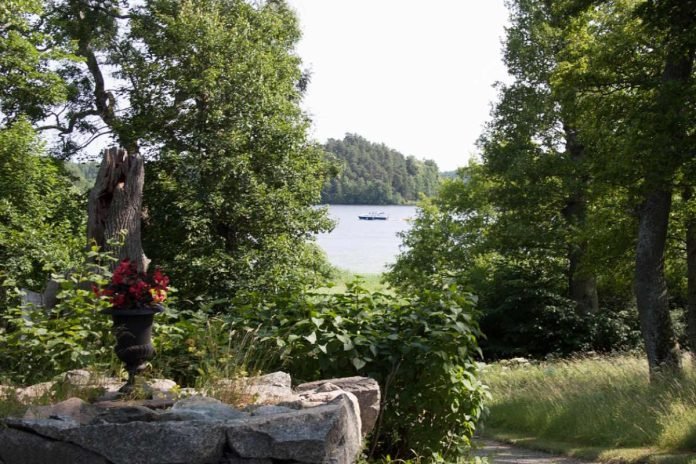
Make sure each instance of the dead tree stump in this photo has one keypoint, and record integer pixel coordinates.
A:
(115, 206)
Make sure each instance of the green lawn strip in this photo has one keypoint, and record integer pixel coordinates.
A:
(371, 282)
(591, 453)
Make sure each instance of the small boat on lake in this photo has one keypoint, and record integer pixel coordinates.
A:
(373, 216)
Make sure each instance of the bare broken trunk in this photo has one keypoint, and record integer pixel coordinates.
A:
(115, 206)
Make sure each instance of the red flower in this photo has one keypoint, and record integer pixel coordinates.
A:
(160, 279)
(138, 289)
(118, 300)
(131, 289)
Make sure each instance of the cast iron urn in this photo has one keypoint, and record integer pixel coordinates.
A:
(133, 331)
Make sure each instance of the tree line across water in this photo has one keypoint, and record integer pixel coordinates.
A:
(365, 173)
(374, 174)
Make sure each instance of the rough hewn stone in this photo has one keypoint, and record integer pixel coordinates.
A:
(151, 404)
(328, 433)
(73, 408)
(7, 391)
(126, 414)
(35, 391)
(267, 388)
(20, 447)
(268, 409)
(204, 408)
(238, 460)
(323, 427)
(51, 428)
(153, 442)
(365, 389)
(77, 377)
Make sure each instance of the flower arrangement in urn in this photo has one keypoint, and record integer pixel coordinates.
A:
(135, 297)
(130, 289)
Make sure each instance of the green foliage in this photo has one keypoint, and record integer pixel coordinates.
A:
(41, 214)
(525, 315)
(84, 174)
(421, 349)
(29, 85)
(573, 142)
(373, 174)
(594, 401)
(197, 349)
(212, 92)
(39, 343)
(522, 292)
(235, 178)
(448, 232)
(340, 279)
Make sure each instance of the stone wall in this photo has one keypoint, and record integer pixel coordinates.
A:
(320, 422)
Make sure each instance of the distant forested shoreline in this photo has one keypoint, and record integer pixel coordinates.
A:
(372, 173)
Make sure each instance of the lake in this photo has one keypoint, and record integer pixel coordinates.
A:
(365, 246)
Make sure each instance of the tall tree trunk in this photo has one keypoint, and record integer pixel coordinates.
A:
(582, 285)
(672, 126)
(687, 195)
(115, 204)
(650, 285)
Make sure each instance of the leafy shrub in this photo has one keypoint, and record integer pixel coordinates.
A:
(524, 313)
(421, 349)
(37, 343)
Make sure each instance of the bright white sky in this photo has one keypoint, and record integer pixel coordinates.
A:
(415, 75)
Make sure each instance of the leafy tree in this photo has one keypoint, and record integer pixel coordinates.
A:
(210, 93)
(236, 177)
(534, 151)
(631, 65)
(29, 87)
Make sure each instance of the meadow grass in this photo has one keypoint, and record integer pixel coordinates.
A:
(341, 278)
(605, 402)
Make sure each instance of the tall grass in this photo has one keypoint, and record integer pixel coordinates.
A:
(595, 402)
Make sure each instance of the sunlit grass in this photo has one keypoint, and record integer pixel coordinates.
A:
(605, 402)
(342, 277)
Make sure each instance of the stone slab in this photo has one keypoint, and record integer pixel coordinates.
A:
(21, 447)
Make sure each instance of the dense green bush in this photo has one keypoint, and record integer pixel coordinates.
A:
(523, 295)
(524, 313)
(41, 214)
(37, 343)
(421, 349)
(526, 316)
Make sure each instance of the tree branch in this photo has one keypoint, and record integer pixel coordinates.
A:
(72, 121)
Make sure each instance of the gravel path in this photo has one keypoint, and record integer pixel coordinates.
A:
(503, 453)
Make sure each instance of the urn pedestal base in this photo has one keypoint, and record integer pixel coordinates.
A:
(133, 331)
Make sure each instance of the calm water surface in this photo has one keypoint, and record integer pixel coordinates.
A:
(365, 246)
